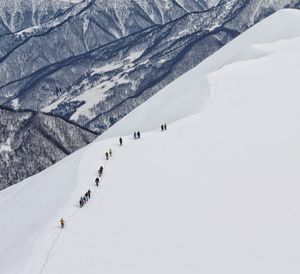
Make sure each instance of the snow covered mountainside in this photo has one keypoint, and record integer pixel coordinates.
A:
(31, 142)
(215, 193)
(170, 104)
(93, 61)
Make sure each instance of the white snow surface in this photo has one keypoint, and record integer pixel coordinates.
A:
(218, 192)
(5, 148)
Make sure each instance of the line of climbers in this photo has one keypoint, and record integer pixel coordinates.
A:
(108, 154)
(83, 200)
(100, 172)
(163, 127)
(136, 135)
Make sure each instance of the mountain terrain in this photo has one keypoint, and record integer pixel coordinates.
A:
(94, 61)
(32, 141)
(217, 192)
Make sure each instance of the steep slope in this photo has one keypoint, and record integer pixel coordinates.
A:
(174, 101)
(98, 61)
(31, 142)
(215, 193)
(16, 15)
(21, 15)
(71, 31)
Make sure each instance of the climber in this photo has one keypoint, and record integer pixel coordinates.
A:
(106, 155)
(86, 195)
(110, 152)
(97, 181)
(62, 222)
(81, 201)
(100, 171)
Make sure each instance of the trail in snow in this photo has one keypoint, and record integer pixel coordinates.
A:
(70, 219)
(50, 251)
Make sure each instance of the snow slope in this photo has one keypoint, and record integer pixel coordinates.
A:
(190, 92)
(215, 193)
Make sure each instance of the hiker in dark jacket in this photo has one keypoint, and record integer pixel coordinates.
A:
(138, 135)
(100, 171)
(81, 202)
(97, 181)
(121, 141)
(134, 135)
(162, 127)
(106, 155)
(165, 126)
